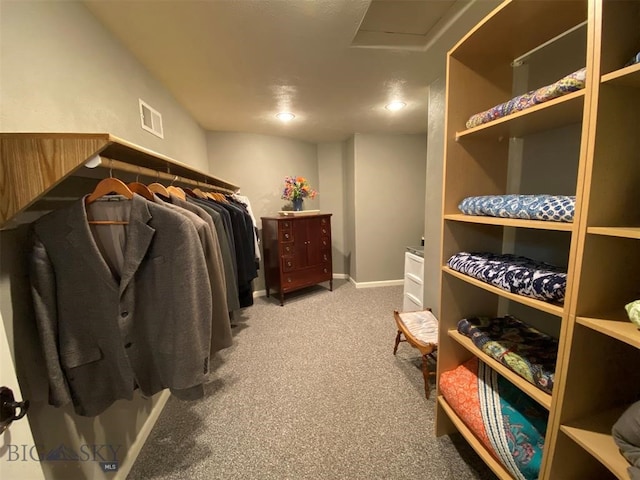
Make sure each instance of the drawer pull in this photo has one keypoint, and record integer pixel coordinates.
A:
(288, 279)
(287, 248)
(326, 271)
(286, 235)
(289, 264)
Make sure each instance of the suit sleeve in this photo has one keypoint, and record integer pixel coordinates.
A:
(191, 336)
(43, 291)
(220, 322)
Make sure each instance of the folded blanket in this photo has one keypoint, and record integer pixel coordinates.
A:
(626, 434)
(554, 208)
(510, 424)
(520, 347)
(633, 310)
(513, 273)
(635, 59)
(571, 83)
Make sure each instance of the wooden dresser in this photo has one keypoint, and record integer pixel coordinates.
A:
(297, 252)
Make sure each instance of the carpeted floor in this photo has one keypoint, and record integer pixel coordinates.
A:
(310, 390)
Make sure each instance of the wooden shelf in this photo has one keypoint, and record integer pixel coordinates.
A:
(628, 76)
(513, 29)
(534, 392)
(551, 308)
(558, 112)
(594, 435)
(475, 443)
(510, 222)
(624, 232)
(34, 163)
(619, 328)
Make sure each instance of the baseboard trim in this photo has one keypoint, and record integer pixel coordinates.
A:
(141, 438)
(383, 283)
(336, 276)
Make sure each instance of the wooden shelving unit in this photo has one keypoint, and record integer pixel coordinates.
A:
(592, 397)
(597, 344)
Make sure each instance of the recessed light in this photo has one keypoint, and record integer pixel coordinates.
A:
(285, 116)
(393, 106)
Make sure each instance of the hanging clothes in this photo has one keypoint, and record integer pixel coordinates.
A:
(220, 322)
(109, 325)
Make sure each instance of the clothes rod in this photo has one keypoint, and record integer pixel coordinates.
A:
(108, 163)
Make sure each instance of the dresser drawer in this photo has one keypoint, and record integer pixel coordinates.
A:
(285, 235)
(286, 248)
(326, 256)
(413, 266)
(288, 263)
(413, 287)
(308, 276)
(325, 242)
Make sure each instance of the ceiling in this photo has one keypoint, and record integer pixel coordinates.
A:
(335, 64)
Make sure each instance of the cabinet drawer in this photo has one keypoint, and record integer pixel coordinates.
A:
(284, 225)
(288, 263)
(325, 242)
(413, 287)
(411, 304)
(285, 235)
(309, 276)
(286, 248)
(413, 266)
(325, 256)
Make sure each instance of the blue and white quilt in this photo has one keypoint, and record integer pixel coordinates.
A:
(552, 208)
(513, 273)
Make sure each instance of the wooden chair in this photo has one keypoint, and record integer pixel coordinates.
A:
(420, 330)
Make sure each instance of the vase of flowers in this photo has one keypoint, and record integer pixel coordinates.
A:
(296, 189)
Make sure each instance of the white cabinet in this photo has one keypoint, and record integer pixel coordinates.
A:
(413, 282)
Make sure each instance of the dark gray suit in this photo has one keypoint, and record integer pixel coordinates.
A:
(108, 326)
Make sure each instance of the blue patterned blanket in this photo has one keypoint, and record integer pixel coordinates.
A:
(513, 273)
(553, 208)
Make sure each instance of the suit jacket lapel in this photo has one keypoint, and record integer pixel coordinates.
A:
(82, 240)
(139, 235)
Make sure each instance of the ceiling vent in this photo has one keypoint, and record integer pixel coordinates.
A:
(151, 119)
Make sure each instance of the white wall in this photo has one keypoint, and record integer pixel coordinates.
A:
(350, 214)
(332, 173)
(62, 71)
(389, 202)
(258, 164)
(433, 201)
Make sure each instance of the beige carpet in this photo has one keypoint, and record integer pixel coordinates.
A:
(310, 390)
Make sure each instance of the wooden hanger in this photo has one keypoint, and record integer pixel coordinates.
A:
(105, 187)
(199, 193)
(141, 189)
(159, 188)
(177, 191)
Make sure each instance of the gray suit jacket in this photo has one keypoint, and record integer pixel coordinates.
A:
(148, 324)
(220, 322)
